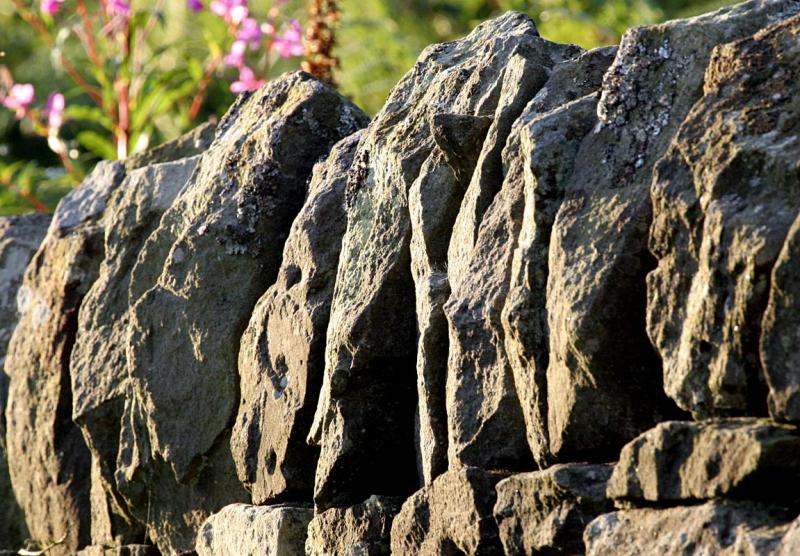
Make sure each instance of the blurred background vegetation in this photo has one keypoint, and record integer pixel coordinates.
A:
(377, 42)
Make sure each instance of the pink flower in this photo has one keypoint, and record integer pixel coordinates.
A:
(249, 31)
(235, 57)
(234, 11)
(20, 98)
(194, 5)
(118, 8)
(55, 111)
(247, 81)
(51, 7)
(290, 42)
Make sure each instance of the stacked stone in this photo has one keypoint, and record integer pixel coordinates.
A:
(545, 302)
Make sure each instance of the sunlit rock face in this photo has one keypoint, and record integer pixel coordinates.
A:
(544, 302)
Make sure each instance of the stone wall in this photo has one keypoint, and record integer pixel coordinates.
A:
(547, 301)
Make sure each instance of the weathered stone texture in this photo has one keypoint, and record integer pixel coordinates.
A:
(604, 382)
(48, 459)
(485, 422)
(365, 420)
(781, 332)
(20, 237)
(98, 365)
(375, 332)
(545, 512)
(724, 198)
(452, 515)
(360, 530)
(194, 287)
(243, 530)
(684, 461)
(548, 135)
(282, 353)
(718, 527)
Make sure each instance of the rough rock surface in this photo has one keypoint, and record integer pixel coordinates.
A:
(781, 332)
(20, 237)
(717, 527)
(125, 550)
(683, 461)
(724, 198)
(364, 423)
(398, 324)
(452, 515)
(360, 530)
(48, 459)
(542, 150)
(484, 415)
(790, 544)
(195, 284)
(545, 512)
(282, 353)
(244, 530)
(604, 382)
(98, 363)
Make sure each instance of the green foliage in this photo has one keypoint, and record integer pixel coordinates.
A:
(377, 42)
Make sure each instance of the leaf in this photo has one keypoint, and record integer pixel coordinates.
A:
(83, 113)
(98, 144)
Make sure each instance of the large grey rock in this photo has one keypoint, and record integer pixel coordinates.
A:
(243, 530)
(485, 423)
(434, 200)
(98, 366)
(781, 332)
(360, 530)
(682, 461)
(718, 527)
(724, 198)
(199, 276)
(49, 462)
(544, 146)
(781, 323)
(604, 383)
(452, 515)
(545, 512)
(282, 353)
(20, 237)
(364, 422)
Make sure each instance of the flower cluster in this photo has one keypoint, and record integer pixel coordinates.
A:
(20, 98)
(119, 85)
(251, 35)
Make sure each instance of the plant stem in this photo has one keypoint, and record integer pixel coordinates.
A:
(202, 87)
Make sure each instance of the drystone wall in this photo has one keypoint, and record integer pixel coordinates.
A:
(547, 301)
